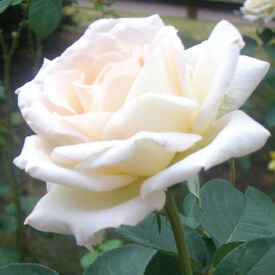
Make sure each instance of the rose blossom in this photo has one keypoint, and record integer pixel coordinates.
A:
(260, 11)
(126, 112)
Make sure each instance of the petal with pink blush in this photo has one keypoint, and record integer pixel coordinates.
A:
(115, 86)
(60, 90)
(35, 110)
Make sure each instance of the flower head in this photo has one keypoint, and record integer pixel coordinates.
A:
(259, 11)
(126, 112)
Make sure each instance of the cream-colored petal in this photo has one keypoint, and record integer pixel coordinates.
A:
(59, 89)
(144, 154)
(89, 124)
(93, 44)
(116, 85)
(74, 154)
(158, 74)
(40, 116)
(104, 59)
(233, 135)
(85, 95)
(85, 213)
(249, 73)
(192, 54)
(149, 26)
(214, 70)
(150, 112)
(36, 159)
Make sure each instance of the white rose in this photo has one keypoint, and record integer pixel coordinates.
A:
(260, 11)
(126, 112)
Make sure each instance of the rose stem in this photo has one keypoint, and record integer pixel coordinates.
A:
(232, 171)
(174, 218)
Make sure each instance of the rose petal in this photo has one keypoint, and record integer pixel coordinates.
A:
(149, 26)
(59, 89)
(144, 154)
(249, 73)
(34, 108)
(84, 213)
(150, 113)
(35, 159)
(214, 70)
(115, 86)
(160, 72)
(97, 44)
(233, 135)
(89, 124)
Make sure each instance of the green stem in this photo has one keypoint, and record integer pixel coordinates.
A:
(232, 172)
(173, 215)
(15, 198)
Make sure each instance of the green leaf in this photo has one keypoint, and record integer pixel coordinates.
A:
(8, 256)
(258, 218)
(250, 45)
(222, 251)
(89, 258)
(266, 35)
(221, 208)
(28, 269)
(126, 260)
(4, 5)
(211, 249)
(163, 264)
(44, 17)
(146, 233)
(188, 203)
(16, 2)
(229, 216)
(270, 116)
(109, 245)
(254, 258)
(193, 184)
(4, 187)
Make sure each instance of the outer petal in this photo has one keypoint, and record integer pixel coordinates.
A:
(59, 89)
(249, 73)
(85, 213)
(150, 112)
(34, 108)
(147, 26)
(113, 34)
(36, 159)
(144, 154)
(214, 69)
(234, 135)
